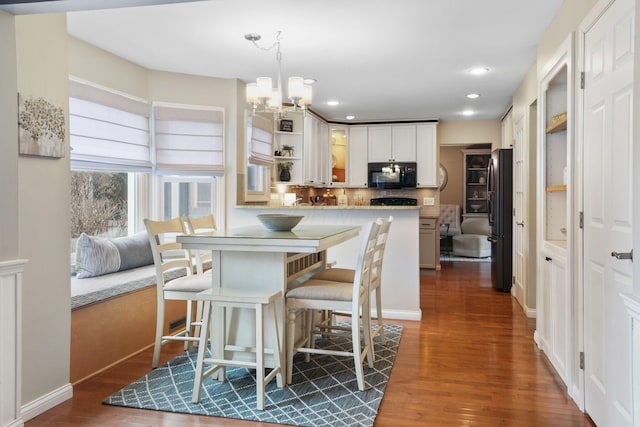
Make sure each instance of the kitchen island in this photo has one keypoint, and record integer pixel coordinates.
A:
(400, 269)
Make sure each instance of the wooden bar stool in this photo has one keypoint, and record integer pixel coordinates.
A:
(223, 298)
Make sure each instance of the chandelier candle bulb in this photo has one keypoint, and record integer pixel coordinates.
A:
(296, 87)
(265, 88)
(252, 93)
(306, 95)
(276, 100)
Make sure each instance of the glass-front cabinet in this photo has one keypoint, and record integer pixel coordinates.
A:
(339, 150)
(476, 163)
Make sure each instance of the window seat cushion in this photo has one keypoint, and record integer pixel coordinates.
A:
(95, 289)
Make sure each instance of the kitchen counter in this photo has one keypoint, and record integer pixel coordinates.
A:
(400, 269)
(326, 207)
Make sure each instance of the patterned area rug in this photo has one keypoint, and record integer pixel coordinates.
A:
(324, 392)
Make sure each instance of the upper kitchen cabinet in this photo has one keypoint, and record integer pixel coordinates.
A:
(427, 155)
(317, 154)
(357, 166)
(339, 145)
(392, 143)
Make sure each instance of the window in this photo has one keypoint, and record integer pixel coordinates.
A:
(99, 203)
(259, 146)
(105, 204)
(188, 196)
(119, 142)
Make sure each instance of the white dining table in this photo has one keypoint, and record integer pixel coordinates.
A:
(253, 257)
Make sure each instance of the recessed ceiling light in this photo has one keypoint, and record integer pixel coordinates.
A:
(467, 113)
(349, 117)
(473, 95)
(309, 81)
(333, 103)
(478, 71)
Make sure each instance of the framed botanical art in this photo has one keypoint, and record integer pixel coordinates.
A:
(41, 128)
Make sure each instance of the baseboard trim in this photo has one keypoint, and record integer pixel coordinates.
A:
(536, 339)
(402, 314)
(46, 402)
(531, 312)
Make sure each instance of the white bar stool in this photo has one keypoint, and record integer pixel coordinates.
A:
(224, 298)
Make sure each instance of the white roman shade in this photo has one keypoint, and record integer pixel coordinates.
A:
(189, 140)
(107, 129)
(260, 141)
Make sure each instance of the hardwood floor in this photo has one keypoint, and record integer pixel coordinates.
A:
(471, 361)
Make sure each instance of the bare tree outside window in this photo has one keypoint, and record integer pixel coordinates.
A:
(98, 203)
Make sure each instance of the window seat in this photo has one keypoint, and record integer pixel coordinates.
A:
(95, 289)
(113, 317)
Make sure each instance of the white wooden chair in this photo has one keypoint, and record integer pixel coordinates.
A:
(223, 298)
(205, 225)
(317, 294)
(375, 282)
(168, 256)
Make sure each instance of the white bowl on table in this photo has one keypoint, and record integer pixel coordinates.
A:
(279, 222)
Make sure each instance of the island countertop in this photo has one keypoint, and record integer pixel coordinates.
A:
(332, 207)
(401, 268)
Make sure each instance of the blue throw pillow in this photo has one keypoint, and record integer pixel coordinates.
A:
(135, 251)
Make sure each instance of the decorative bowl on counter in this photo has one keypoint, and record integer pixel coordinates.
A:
(475, 206)
(279, 222)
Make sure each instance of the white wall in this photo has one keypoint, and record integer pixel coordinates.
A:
(44, 226)
(8, 140)
(569, 16)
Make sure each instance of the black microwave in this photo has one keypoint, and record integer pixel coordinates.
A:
(392, 175)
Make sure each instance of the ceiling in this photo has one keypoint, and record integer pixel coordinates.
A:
(381, 59)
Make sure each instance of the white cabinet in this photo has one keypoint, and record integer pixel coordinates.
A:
(357, 155)
(317, 160)
(392, 143)
(554, 317)
(427, 155)
(554, 302)
(339, 154)
(507, 130)
(403, 143)
(428, 242)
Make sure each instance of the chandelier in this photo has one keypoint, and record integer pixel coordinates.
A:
(262, 96)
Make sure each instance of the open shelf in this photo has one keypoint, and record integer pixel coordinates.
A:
(553, 188)
(558, 126)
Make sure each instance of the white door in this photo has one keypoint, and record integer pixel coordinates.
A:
(520, 206)
(607, 130)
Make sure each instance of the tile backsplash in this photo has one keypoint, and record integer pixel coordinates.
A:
(361, 196)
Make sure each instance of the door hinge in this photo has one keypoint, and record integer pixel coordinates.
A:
(581, 219)
(514, 212)
(513, 280)
(582, 80)
(582, 360)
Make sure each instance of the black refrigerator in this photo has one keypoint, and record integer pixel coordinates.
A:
(500, 208)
